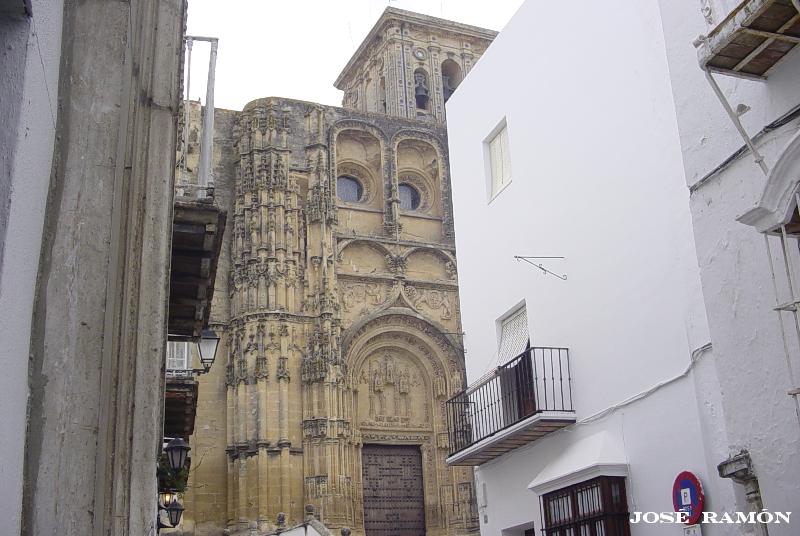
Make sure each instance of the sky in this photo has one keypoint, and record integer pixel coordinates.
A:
(297, 48)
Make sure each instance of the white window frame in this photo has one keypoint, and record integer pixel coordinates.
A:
(172, 350)
(497, 160)
(511, 346)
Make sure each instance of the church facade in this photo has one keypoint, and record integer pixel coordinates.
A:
(337, 298)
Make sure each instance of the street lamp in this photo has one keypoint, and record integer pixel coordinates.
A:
(208, 344)
(175, 511)
(167, 496)
(177, 450)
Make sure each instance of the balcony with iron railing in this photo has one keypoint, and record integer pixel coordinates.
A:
(521, 401)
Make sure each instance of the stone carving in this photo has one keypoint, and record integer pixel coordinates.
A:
(707, 9)
(361, 294)
(432, 299)
(395, 392)
(395, 263)
(283, 371)
(262, 370)
(450, 268)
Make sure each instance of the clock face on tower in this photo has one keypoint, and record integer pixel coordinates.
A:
(419, 54)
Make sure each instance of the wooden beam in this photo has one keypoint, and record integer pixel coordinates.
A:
(772, 35)
(760, 48)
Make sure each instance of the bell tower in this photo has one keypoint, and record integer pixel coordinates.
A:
(409, 65)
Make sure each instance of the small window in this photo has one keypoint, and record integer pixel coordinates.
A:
(499, 158)
(177, 355)
(409, 197)
(349, 189)
(514, 338)
(597, 506)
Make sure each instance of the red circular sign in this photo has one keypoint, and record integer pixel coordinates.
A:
(687, 496)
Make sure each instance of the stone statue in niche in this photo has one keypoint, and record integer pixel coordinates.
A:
(251, 345)
(376, 396)
(391, 385)
(421, 93)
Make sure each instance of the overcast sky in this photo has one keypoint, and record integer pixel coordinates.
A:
(297, 48)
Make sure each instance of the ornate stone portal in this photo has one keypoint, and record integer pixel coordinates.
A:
(340, 317)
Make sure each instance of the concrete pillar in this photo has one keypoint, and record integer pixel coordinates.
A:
(98, 336)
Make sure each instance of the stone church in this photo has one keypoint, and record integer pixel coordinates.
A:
(337, 301)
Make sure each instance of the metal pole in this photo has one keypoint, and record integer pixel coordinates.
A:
(184, 178)
(738, 124)
(780, 324)
(205, 177)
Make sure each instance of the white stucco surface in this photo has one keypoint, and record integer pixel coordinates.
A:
(749, 356)
(30, 177)
(597, 177)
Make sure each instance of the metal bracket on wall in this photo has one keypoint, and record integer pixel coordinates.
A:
(544, 270)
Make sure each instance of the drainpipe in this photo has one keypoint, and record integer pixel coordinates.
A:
(735, 118)
(739, 468)
(205, 176)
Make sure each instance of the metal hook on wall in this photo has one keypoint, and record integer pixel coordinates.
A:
(544, 270)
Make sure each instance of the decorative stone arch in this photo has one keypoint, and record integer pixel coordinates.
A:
(447, 258)
(383, 416)
(387, 155)
(409, 321)
(442, 170)
(441, 153)
(376, 246)
(779, 197)
(420, 342)
(354, 124)
(445, 255)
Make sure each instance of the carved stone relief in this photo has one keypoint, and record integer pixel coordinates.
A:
(392, 393)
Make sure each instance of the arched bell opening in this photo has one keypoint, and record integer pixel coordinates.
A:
(451, 77)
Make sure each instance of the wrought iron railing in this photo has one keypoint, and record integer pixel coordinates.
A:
(535, 381)
(180, 373)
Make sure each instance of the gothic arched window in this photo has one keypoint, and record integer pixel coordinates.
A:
(349, 189)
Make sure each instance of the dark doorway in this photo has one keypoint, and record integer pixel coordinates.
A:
(394, 502)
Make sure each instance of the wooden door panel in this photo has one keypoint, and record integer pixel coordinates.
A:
(394, 502)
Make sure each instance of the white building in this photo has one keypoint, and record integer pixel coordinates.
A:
(734, 201)
(566, 144)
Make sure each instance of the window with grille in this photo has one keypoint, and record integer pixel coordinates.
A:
(499, 158)
(597, 507)
(177, 355)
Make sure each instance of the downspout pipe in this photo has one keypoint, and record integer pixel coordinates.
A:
(759, 159)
